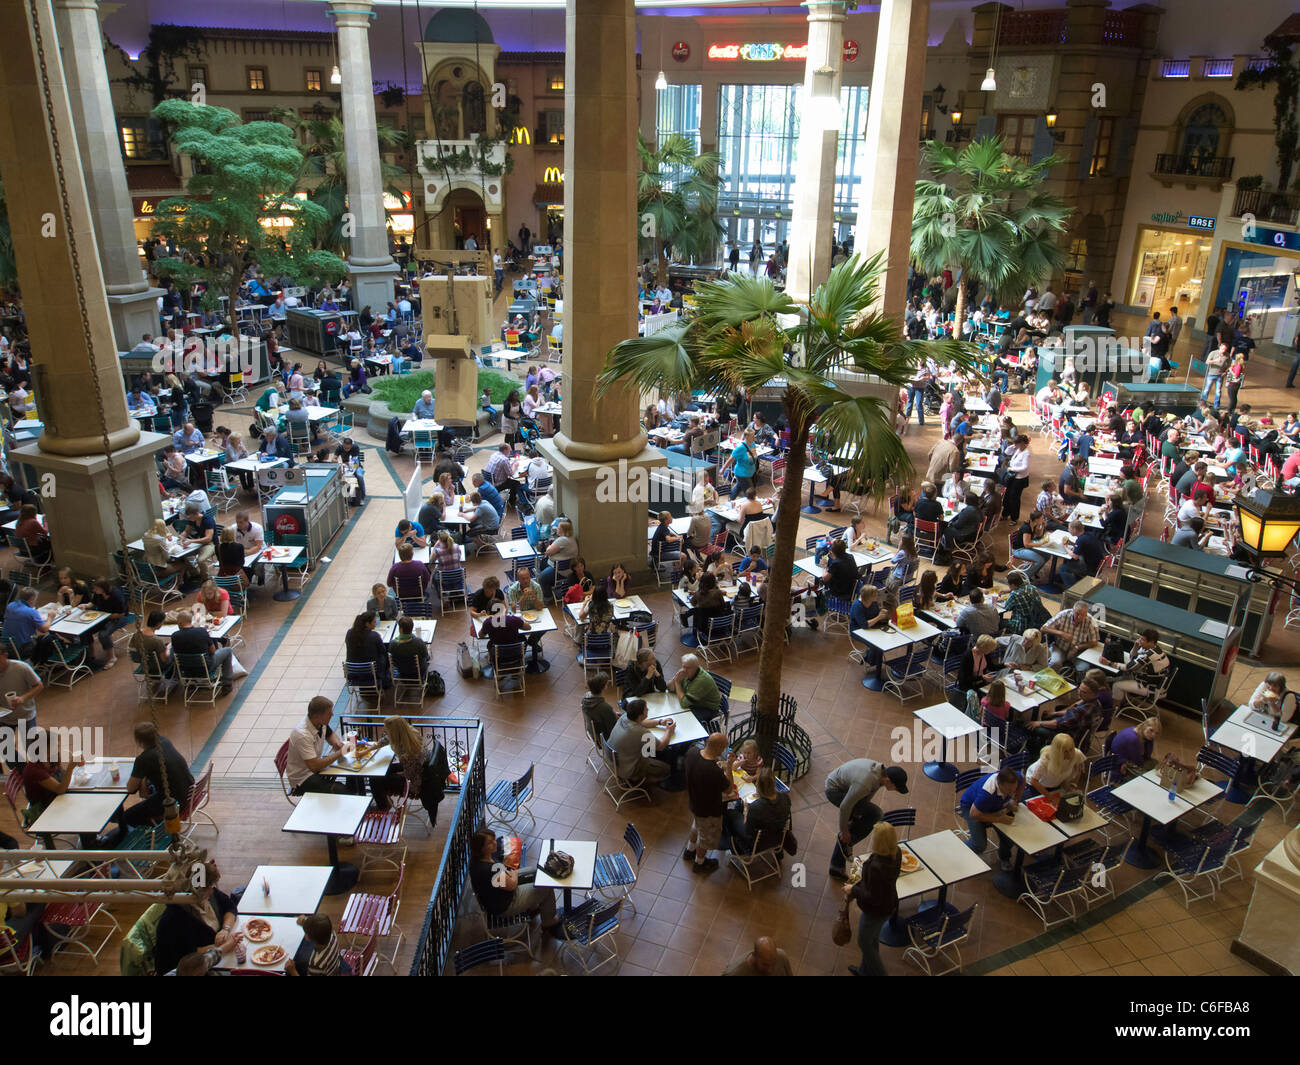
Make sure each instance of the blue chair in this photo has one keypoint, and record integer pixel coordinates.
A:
(724, 690)
(715, 640)
(451, 588)
(594, 931)
(964, 780)
(1208, 758)
(508, 800)
(597, 652)
(1194, 863)
(837, 613)
(904, 817)
(936, 936)
(361, 680)
(1115, 810)
(617, 870)
(1019, 762)
(908, 676)
(749, 628)
(784, 764)
(1053, 891)
(485, 952)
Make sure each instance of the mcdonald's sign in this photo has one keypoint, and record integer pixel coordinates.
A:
(552, 175)
(520, 135)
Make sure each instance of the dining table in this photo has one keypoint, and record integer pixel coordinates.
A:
(333, 816)
(285, 890)
(581, 877)
(944, 860)
(285, 933)
(888, 638)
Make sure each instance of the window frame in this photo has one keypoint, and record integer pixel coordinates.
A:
(1103, 146)
(319, 75)
(248, 79)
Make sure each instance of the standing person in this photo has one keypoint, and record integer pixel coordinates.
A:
(1236, 377)
(708, 786)
(916, 393)
(851, 788)
(1175, 324)
(744, 461)
(1216, 363)
(498, 272)
(1018, 478)
(877, 897)
(733, 259)
(1088, 305)
(755, 256)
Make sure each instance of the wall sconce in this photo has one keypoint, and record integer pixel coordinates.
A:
(936, 94)
(1057, 135)
(957, 135)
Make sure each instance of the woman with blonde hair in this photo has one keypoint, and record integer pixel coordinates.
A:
(156, 541)
(410, 754)
(876, 894)
(446, 555)
(214, 599)
(1134, 747)
(1059, 763)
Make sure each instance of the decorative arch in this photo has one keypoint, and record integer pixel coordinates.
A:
(1204, 127)
(437, 189)
(458, 98)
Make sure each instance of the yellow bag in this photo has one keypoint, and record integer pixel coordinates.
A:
(906, 616)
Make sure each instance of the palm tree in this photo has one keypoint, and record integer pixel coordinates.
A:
(324, 174)
(678, 188)
(984, 211)
(739, 340)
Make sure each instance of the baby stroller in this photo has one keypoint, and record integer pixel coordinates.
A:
(529, 434)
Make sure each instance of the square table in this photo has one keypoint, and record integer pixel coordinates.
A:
(545, 623)
(314, 413)
(331, 815)
(1086, 514)
(216, 629)
(204, 456)
(1093, 657)
(175, 549)
(509, 550)
(252, 464)
(975, 405)
(295, 889)
(285, 932)
(84, 813)
(1031, 835)
(814, 477)
(283, 557)
(678, 527)
(947, 860)
(78, 621)
(97, 775)
(666, 704)
(1105, 467)
(356, 775)
(584, 866)
(424, 629)
(890, 638)
(1145, 795)
(422, 425)
(951, 724)
(981, 465)
(1249, 732)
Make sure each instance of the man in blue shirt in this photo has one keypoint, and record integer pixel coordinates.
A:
(992, 800)
(744, 461)
(188, 439)
(1089, 551)
(423, 406)
(409, 532)
(24, 626)
(487, 491)
(275, 445)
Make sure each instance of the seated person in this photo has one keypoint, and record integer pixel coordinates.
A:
(965, 525)
(1269, 695)
(408, 652)
(630, 739)
(485, 520)
(1132, 747)
(320, 953)
(483, 603)
(505, 892)
(665, 545)
(1077, 720)
(407, 577)
(208, 921)
(1071, 631)
(978, 618)
(1089, 552)
(979, 665)
(866, 613)
(992, 800)
(1059, 764)
(1144, 671)
(409, 532)
(768, 813)
(595, 708)
(841, 572)
(644, 676)
(753, 564)
(995, 711)
(696, 690)
(385, 606)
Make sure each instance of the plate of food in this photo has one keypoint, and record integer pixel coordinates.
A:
(623, 603)
(270, 955)
(530, 615)
(257, 930)
(92, 615)
(911, 863)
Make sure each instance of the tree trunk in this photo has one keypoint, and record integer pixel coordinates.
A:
(661, 264)
(780, 577)
(960, 311)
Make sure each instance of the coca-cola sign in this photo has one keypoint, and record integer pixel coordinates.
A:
(681, 51)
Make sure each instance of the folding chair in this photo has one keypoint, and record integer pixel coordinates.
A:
(593, 931)
(616, 870)
(508, 664)
(597, 652)
(764, 861)
(196, 803)
(196, 676)
(484, 952)
(508, 800)
(379, 839)
(936, 937)
(621, 788)
(451, 588)
(69, 925)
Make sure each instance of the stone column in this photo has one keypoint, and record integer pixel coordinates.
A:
(893, 121)
(601, 460)
(132, 302)
(69, 355)
(814, 183)
(370, 266)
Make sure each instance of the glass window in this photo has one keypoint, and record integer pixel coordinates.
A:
(1101, 147)
(314, 80)
(678, 111)
(257, 79)
(555, 81)
(1201, 134)
(551, 123)
(198, 75)
(141, 137)
(1018, 135)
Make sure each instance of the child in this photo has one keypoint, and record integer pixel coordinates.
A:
(753, 563)
(748, 760)
(995, 711)
(319, 954)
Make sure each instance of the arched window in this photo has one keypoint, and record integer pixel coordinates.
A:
(446, 115)
(474, 109)
(1203, 133)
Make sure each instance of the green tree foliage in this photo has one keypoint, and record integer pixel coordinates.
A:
(677, 188)
(1283, 73)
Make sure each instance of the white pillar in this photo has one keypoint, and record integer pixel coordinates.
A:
(370, 265)
(814, 183)
(132, 303)
(893, 144)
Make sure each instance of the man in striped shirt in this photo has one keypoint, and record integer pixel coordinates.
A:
(319, 954)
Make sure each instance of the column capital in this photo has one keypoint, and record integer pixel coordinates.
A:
(77, 5)
(820, 10)
(354, 14)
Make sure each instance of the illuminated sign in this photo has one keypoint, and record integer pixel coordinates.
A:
(681, 51)
(143, 205)
(1199, 221)
(520, 135)
(552, 175)
(765, 52)
(392, 203)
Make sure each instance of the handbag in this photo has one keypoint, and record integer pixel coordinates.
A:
(625, 650)
(789, 844)
(841, 933)
(639, 617)
(558, 864)
(1071, 807)
(464, 660)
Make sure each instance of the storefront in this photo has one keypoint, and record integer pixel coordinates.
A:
(1170, 260)
(1258, 277)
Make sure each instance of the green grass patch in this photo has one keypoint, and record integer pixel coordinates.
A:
(401, 391)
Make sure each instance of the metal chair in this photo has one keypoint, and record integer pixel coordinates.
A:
(69, 925)
(715, 640)
(936, 937)
(597, 652)
(617, 870)
(195, 806)
(508, 663)
(361, 681)
(1197, 864)
(196, 676)
(408, 687)
(16, 958)
(621, 788)
(904, 817)
(282, 764)
(764, 861)
(451, 588)
(379, 839)
(910, 675)
(67, 664)
(508, 800)
(363, 962)
(594, 931)
(1052, 893)
(964, 780)
(593, 736)
(748, 635)
(484, 952)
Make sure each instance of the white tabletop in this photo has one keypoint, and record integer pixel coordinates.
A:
(1089, 822)
(174, 547)
(1263, 723)
(1105, 467)
(1022, 702)
(1148, 797)
(1058, 542)
(314, 414)
(977, 406)
(544, 623)
(512, 549)
(85, 811)
(1248, 741)
(424, 629)
(678, 526)
(947, 720)
(887, 639)
(948, 857)
(1199, 792)
(688, 728)
(97, 775)
(420, 425)
(584, 863)
(1093, 657)
(279, 555)
(1086, 514)
(206, 455)
(919, 880)
(376, 767)
(295, 889)
(285, 932)
(813, 474)
(623, 608)
(216, 629)
(1031, 834)
(328, 814)
(729, 512)
(75, 621)
(252, 465)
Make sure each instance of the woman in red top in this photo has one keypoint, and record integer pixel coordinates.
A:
(214, 599)
(32, 532)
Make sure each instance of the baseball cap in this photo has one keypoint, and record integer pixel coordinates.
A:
(898, 777)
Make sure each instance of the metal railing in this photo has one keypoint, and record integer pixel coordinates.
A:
(1176, 68)
(1206, 166)
(1268, 205)
(444, 901)
(456, 734)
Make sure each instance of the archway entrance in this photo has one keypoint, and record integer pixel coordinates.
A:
(468, 218)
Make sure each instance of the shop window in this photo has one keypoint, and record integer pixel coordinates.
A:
(315, 80)
(551, 124)
(1101, 147)
(257, 79)
(141, 138)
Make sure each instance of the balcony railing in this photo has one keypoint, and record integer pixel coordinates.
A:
(1122, 27)
(1217, 167)
(1176, 68)
(1218, 68)
(1268, 205)
(1032, 28)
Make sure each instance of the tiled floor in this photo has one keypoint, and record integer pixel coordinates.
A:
(684, 923)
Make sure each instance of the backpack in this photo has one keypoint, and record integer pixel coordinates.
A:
(435, 685)
(465, 663)
(393, 438)
(433, 778)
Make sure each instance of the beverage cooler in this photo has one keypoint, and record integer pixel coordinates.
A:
(309, 503)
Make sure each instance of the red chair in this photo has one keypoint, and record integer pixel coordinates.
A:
(927, 538)
(367, 913)
(363, 962)
(77, 918)
(196, 802)
(282, 764)
(778, 472)
(380, 836)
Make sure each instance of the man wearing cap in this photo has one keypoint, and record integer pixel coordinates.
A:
(851, 788)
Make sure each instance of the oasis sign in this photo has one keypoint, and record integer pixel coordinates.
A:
(764, 52)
